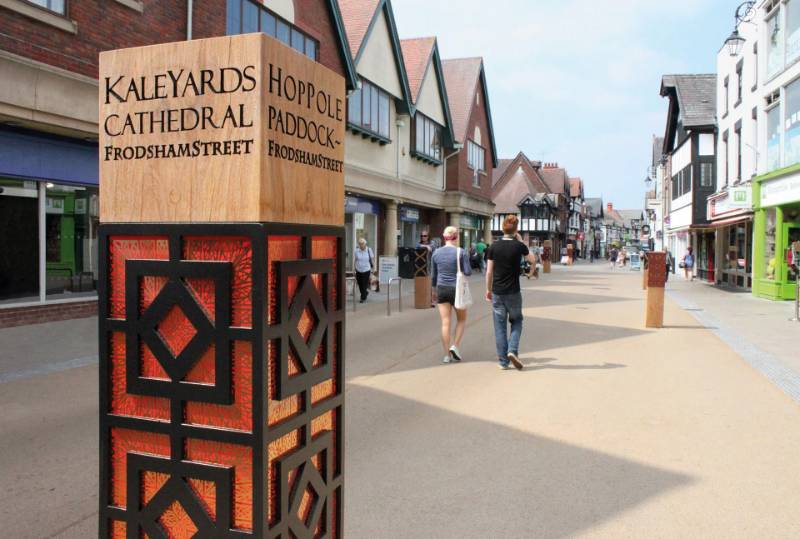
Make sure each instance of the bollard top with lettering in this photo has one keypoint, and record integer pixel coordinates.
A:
(229, 129)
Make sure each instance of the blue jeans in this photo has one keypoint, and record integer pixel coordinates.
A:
(507, 308)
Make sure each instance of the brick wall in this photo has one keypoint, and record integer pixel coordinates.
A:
(39, 314)
(102, 25)
(459, 177)
(314, 17)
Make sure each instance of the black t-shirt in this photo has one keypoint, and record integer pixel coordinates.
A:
(507, 255)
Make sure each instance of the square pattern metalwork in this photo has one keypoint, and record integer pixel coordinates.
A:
(221, 378)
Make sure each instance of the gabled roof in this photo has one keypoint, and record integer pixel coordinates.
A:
(575, 187)
(629, 215)
(502, 165)
(462, 76)
(555, 178)
(595, 206)
(419, 55)
(359, 18)
(520, 180)
(344, 45)
(693, 103)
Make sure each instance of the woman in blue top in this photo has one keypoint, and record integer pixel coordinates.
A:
(445, 261)
(688, 265)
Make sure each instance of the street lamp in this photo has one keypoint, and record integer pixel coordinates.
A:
(744, 13)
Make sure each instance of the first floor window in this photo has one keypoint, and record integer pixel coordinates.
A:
(369, 109)
(476, 156)
(247, 16)
(774, 138)
(791, 141)
(738, 154)
(706, 175)
(427, 137)
(58, 6)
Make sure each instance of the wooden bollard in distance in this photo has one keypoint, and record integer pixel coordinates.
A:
(656, 280)
(547, 256)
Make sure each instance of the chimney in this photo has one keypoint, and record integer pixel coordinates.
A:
(551, 165)
(609, 207)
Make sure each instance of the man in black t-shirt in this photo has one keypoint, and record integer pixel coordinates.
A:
(502, 288)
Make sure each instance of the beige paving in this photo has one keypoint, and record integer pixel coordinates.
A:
(611, 430)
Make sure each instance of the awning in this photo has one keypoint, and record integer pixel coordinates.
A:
(43, 157)
(732, 221)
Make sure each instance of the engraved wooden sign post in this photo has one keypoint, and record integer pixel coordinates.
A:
(221, 304)
(656, 281)
(547, 255)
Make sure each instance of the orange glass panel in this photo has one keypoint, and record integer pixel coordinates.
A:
(279, 248)
(176, 330)
(239, 415)
(122, 248)
(237, 251)
(123, 403)
(118, 529)
(207, 493)
(241, 459)
(176, 522)
(275, 450)
(124, 441)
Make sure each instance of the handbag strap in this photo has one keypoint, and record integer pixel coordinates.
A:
(458, 260)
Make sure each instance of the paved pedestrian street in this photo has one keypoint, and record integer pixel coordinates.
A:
(611, 430)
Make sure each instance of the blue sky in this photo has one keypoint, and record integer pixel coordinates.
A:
(577, 81)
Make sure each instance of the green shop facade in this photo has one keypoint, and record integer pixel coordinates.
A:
(776, 200)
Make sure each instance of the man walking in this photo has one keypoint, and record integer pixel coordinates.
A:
(502, 288)
(480, 248)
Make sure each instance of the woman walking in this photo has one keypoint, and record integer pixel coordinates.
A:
(363, 265)
(688, 265)
(447, 260)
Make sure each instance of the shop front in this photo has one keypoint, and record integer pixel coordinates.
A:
(704, 246)
(471, 228)
(48, 218)
(730, 213)
(776, 226)
(361, 216)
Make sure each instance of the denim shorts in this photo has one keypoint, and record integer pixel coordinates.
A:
(446, 294)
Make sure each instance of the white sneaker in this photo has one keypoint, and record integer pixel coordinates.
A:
(446, 359)
(455, 353)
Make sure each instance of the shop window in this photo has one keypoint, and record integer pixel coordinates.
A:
(774, 137)
(476, 156)
(247, 16)
(792, 124)
(427, 138)
(369, 110)
(770, 260)
(775, 45)
(19, 245)
(57, 6)
(71, 240)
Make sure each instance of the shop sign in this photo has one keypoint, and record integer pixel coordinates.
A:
(409, 215)
(360, 205)
(387, 268)
(469, 221)
(54, 205)
(780, 191)
(740, 197)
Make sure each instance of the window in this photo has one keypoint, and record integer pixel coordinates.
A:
(739, 82)
(774, 137)
(687, 179)
(427, 138)
(476, 156)
(726, 157)
(791, 137)
(755, 65)
(738, 134)
(682, 182)
(774, 43)
(57, 6)
(247, 16)
(368, 109)
(725, 88)
(706, 175)
(792, 30)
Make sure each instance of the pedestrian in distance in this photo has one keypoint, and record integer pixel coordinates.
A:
(688, 265)
(448, 260)
(612, 259)
(669, 262)
(364, 265)
(503, 291)
(480, 248)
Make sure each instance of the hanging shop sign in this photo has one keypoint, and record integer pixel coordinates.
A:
(409, 215)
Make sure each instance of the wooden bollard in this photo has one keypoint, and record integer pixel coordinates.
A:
(422, 279)
(547, 256)
(656, 280)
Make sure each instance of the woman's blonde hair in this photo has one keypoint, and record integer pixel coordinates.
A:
(362, 242)
(450, 233)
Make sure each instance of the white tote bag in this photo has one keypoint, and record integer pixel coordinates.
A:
(463, 295)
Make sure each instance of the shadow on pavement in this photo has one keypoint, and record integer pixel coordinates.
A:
(417, 470)
(604, 366)
(546, 298)
(551, 334)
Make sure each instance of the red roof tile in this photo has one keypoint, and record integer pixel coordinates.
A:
(357, 15)
(461, 78)
(575, 187)
(555, 178)
(417, 55)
